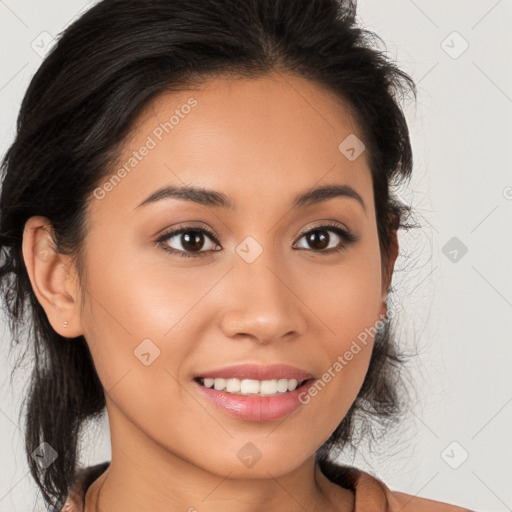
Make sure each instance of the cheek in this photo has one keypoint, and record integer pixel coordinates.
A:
(130, 318)
(141, 324)
(346, 298)
(137, 344)
(133, 298)
(347, 302)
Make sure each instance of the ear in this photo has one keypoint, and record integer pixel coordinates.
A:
(388, 266)
(54, 285)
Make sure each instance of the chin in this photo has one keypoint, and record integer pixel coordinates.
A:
(254, 460)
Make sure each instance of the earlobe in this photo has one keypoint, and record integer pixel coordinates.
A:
(53, 285)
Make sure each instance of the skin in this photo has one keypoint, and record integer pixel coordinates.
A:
(261, 142)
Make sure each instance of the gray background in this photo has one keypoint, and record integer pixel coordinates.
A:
(455, 308)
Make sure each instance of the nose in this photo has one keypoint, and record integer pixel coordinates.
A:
(261, 303)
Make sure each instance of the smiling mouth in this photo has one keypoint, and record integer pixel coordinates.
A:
(252, 387)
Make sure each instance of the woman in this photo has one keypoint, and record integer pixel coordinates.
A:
(197, 212)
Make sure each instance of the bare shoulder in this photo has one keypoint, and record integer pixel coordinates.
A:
(410, 503)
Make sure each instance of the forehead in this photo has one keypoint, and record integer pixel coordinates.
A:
(245, 137)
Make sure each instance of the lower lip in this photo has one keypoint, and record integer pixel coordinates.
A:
(256, 408)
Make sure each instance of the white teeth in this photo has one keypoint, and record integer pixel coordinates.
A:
(232, 386)
(219, 384)
(251, 386)
(282, 385)
(268, 387)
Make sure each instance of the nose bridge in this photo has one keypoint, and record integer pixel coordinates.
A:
(262, 305)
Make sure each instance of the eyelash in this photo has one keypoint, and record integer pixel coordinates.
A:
(347, 237)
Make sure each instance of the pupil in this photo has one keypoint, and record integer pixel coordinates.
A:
(319, 236)
(190, 239)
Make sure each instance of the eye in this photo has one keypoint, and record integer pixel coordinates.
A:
(188, 240)
(320, 239)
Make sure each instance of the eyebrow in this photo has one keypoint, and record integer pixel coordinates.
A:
(214, 198)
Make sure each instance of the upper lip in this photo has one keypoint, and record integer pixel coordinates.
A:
(257, 372)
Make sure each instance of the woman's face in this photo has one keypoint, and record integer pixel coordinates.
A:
(266, 288)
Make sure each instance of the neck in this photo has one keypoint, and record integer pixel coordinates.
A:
(143, 475)
(110, 493)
